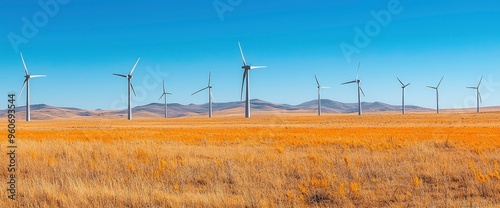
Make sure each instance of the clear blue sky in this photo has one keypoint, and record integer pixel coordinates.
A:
(83, 43)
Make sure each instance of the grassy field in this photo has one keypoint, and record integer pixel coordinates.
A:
(420, 160)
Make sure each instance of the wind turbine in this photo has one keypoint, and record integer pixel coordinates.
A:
(27, 84)
(437, 93)
(210, 96)
(403, 86)
(478, 94)
(319, 94)
(165, 93)
(246, 74)
(130, 86)
(360, 90)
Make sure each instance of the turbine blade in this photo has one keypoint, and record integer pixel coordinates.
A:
(24, 64)
(362, 91)
(133, 90)
(242, 56)
(317, 82)
(400, 81)
(37, 76)
(22, 88)
(120, 75)
(475, 88)
(164, 91)
(211, 95)
(161, 96)
(257, 67)
(480, 82)
(440, 82)
(407, 85)
(168, 93)
(209, 76)
(357, 73)
(349, 82)
(243, 84)
(132, 71)
(199, 90)
(480, 98)
(432, 87)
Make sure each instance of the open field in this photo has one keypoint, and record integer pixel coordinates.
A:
(386, 160)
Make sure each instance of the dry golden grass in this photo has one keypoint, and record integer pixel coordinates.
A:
(421, 160)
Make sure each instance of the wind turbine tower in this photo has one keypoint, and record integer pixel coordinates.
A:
(210, 96)
(437, 93)
(130, 87)
(360, 90)
(165, 94)
(403, 86)
(319, 94)
(478, 94)
(246, 69)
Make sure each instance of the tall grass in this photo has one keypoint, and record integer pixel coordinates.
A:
(262, 162)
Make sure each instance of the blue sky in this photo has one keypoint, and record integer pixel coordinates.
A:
(82, 43)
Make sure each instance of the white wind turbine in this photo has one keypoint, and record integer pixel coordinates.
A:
(246, 79)
(210, 96)
(437, 93)
(165, 94)
(360, 90)
(130, 86)
(27, 84)
(478, 94)
(403, 86)
(319, 94)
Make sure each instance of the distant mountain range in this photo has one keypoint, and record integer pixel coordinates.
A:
(259, 107)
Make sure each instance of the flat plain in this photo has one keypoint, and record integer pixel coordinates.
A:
(377, 160)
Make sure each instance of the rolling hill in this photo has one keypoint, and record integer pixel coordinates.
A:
(46, 112)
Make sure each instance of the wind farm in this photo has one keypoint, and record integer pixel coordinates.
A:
(189, 154)
(180, 136)
(187, 142)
